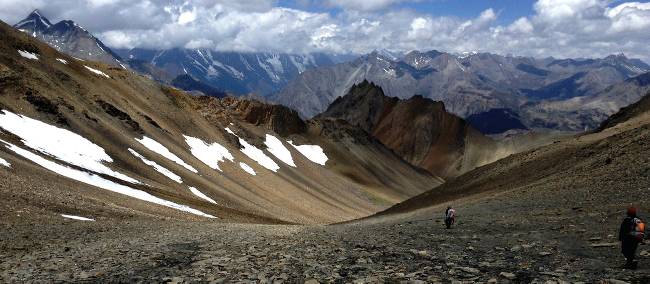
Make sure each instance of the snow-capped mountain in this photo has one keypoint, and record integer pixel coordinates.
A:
(471, 83)
(234, 72)
(68, 37)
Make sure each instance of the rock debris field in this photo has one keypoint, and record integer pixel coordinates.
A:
(487, 246)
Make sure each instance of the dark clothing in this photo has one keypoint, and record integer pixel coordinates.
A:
(450, 216)
(629, 242)
(626, 228)
(448, 222)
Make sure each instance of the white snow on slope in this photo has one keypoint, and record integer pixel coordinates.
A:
(247, 168)
(97, 71)
(256, 154)
(312, 152)
(98, 181)
(76, 217)
(60, 143)
(201, 195)
(210, 154)
(154, 146)
(278, 150)
(157, 167)
(28, 55)
(62, 61)
(4, 162)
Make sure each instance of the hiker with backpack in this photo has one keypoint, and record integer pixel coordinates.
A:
(450, 217)
(631, 233)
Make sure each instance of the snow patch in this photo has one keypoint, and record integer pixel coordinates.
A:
(97, 72)
(312, 152)
(154, 146)
(274, 61)
(210, 154)
(247, 168)
(4, 163)
(275, 146)
(201, 195)
(157, 167)
(62, 61)
(28, 55)
(76, 217)
(256, 154)
(460, 66)
(98, 181)
(60, 143)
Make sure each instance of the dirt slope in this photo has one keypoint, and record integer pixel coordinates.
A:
(611, 167)
(112, 107)
(627, 113)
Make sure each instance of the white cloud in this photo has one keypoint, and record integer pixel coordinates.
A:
(561, 28)
(364, 5)
(187, 17)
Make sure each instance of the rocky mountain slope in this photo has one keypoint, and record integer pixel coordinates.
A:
(589, 111)
(418, 129)
(550, 215)
(234, 72)
(69, 38)
(87, 139)
(469, 84)
(609, 166)
(631, 112)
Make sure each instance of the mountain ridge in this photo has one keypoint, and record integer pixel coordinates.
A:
(240, 73)
(469, 84)
(418, 129)
(68, 37)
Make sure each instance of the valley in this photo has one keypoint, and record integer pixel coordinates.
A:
(202, 160)
(566, 233)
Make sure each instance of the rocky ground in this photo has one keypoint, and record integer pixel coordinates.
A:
(546, 216)
(491, 243)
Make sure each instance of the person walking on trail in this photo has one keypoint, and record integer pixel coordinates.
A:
(631, 233)
(450, 217)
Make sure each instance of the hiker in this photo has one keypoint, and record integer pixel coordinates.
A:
(450, 217)
(630, 235)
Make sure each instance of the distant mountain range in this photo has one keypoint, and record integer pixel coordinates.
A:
(68, 37)
(234, 72)
(475, 84)
(494, 93)
(228, 72)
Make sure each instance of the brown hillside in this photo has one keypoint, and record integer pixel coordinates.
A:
(418, 129)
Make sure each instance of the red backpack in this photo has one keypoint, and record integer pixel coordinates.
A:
(638, 229)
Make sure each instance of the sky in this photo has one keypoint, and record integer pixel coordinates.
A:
(541, 28)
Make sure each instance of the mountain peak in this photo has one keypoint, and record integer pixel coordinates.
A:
(68, 37)
(418, 129)
(35, 21)
(36, 13)
(620, 56)
(364, 87)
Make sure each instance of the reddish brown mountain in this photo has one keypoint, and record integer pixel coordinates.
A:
(419, 130)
